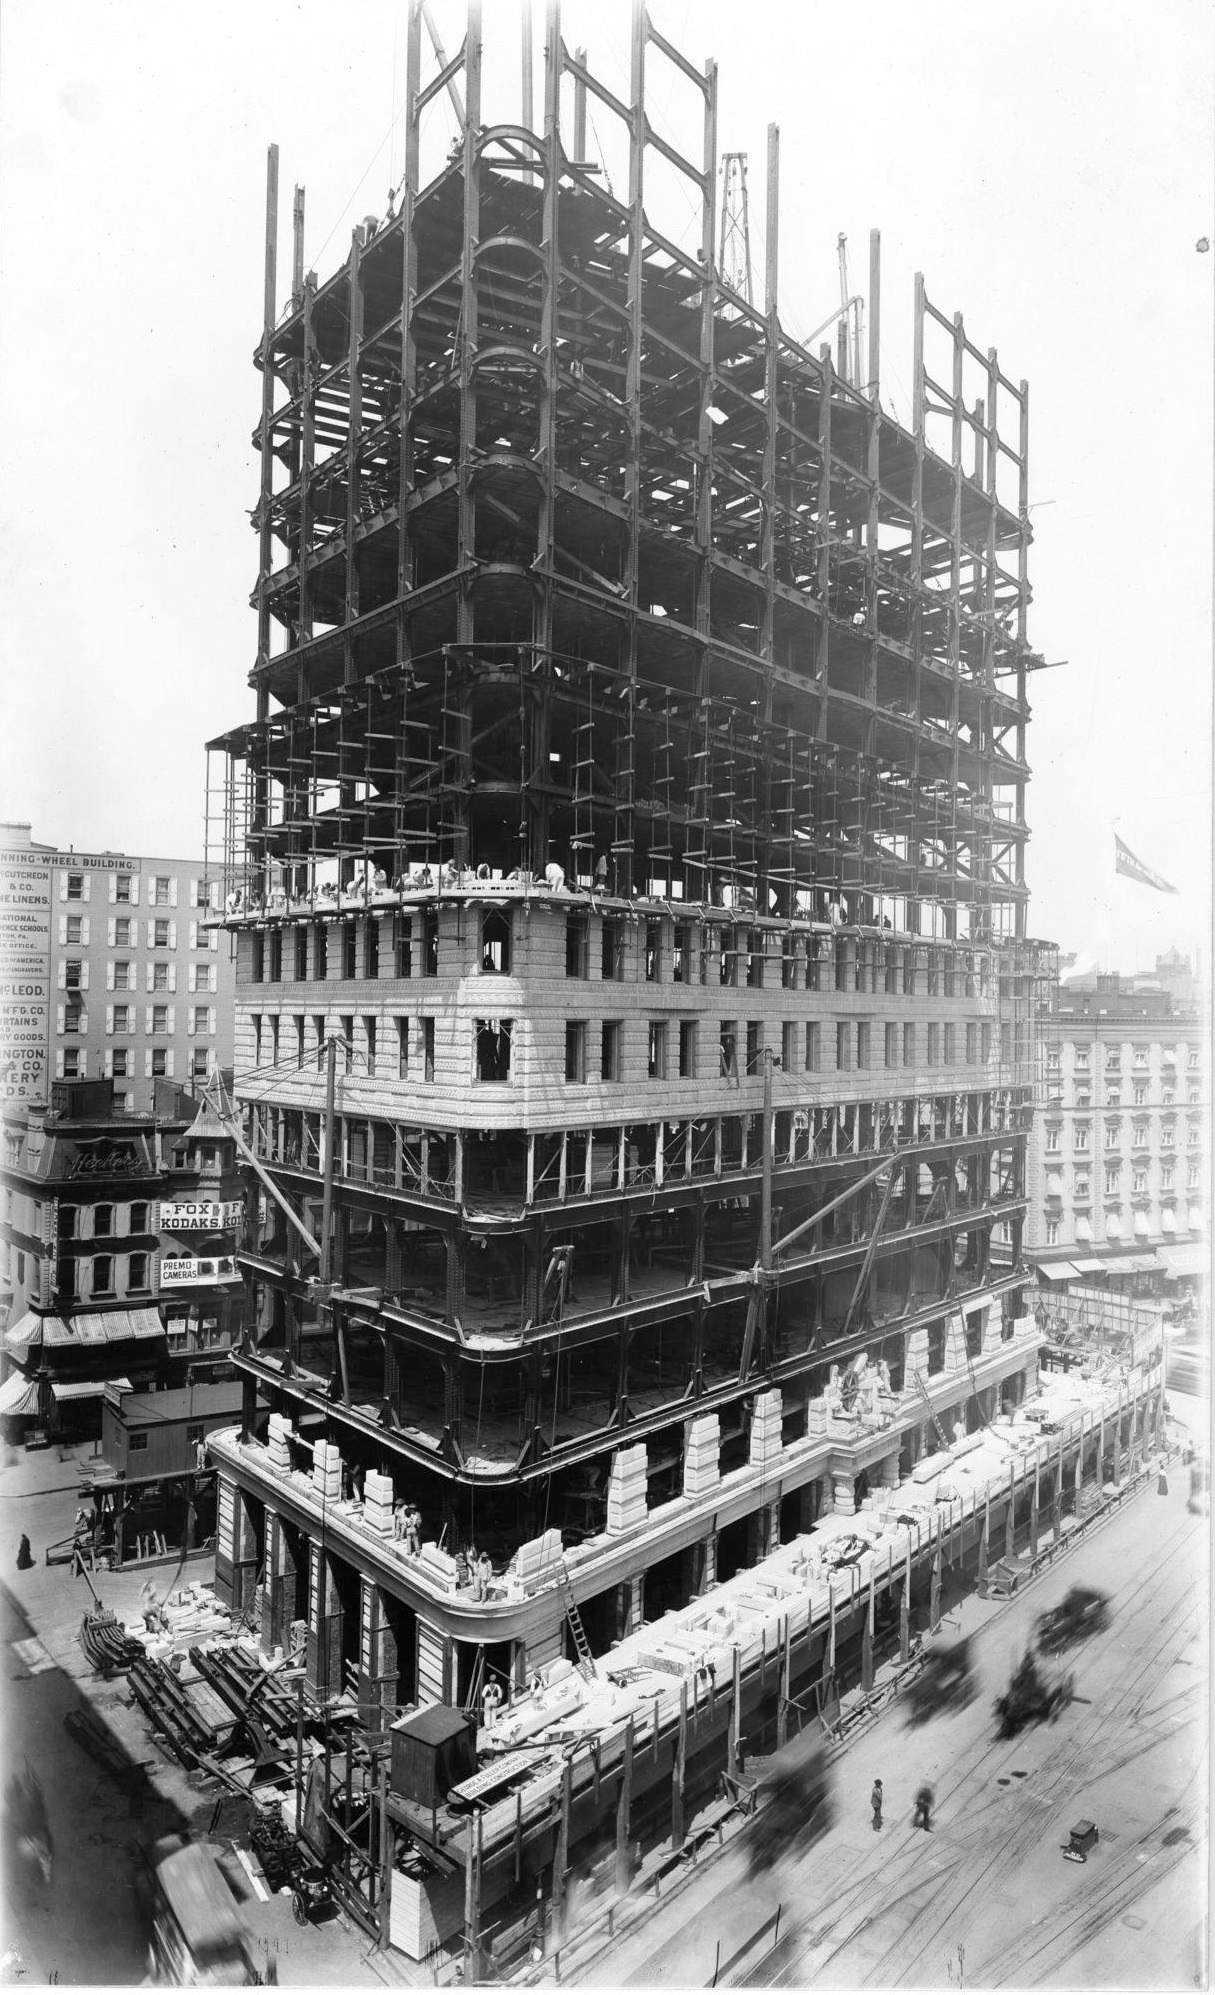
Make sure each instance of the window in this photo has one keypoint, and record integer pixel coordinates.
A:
(162, 891)
(73, 1018)
(428, 1048)
(430, 942)
(985, 1043)
(1139, 1097)
(72, 1067)
(1052, 1233)
(1193, 1177)
(909, 1045)
(160, 1063)
(75, 886)
(576, 937)
(1054, 1133)
(656, 1059)
(160, 1018)
(863, 1039)
(301, 1040)
(788, 1046)
(103, 1221)
(160, 976)
(681, 955)
(136, 1442)
(1112, 1184)
(1083, 1191)
(1113, 1135)
(653, 952)
(1139, 1185)
(950, 1052)
(609, 1050)
(687, 1049)
(301, 961)
(198, 1063)
(755, 1046)
(122, 932)
(1114, 1097)
(1166, 1177)
(814, 1045)
(495, 944)
(369, 1037)
(612, 963)
(320, 952)
(350, 951)
(122, 888)
(103, 1274)
(729, 1050)
(204, 975)
(120, 1066)
(275, 971)
(403, 1049)
(755, 959)
(1080, 1136)
(318, 1027)
(934, 1045)
(75, 929)
(1082, 1059)
(122, 977)
(348, 1042)
(1139, 1140)
(1139, 1057)
(1167, 1136)
(160, 935)
(1167, 1098)
(892, 1045)
(493, 1048)
(575, 1049)
(71, 976)
(202, 893)
(137, 1271)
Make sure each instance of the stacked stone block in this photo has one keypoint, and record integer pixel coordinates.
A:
(626, 1500)
(702, 1454)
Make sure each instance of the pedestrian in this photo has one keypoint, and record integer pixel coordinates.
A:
(25, 1558)
(875, 1802)
(923, 1808)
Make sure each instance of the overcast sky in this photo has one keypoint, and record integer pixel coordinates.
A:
(1048, 166)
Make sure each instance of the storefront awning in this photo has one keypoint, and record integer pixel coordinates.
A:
(1140, 1264)
(1059, 1271)
(115, 1326)
(86, 1388)
(31, 1331)
(18, 1395)
(1194, 1258)
(1092, 1266)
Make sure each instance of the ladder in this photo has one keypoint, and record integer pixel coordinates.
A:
(922, 1389)
(586, 1660)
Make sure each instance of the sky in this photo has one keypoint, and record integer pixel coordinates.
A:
(1047, 166)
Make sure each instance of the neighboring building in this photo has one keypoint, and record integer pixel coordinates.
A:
(117, 1247)
(109, 971)
(1119, 1156)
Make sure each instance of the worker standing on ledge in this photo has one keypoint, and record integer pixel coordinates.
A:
(875, 1802)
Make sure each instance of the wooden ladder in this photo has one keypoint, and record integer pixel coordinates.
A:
(586, 1660)
(922, 1389)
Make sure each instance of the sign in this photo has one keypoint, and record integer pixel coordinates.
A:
(25, 975)
(185, 1271)
(201, 1216)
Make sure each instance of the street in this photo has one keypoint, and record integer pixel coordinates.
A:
(986, 1897)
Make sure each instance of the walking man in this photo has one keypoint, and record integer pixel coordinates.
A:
(875, 1802)
(923, 1808)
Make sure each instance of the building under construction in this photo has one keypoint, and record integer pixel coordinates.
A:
(626, 866)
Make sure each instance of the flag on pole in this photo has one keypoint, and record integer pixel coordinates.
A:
(1126, 862)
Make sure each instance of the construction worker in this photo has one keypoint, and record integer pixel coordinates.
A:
(875, 1802)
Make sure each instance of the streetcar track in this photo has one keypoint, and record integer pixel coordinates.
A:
(1038, 1799)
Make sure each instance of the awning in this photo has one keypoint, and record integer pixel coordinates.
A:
(1059, 1271)
(1194, 1258)
(18, 1395)
(115, 1326)
(32, 1330)
(86, 1388)
(1091, 1266)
